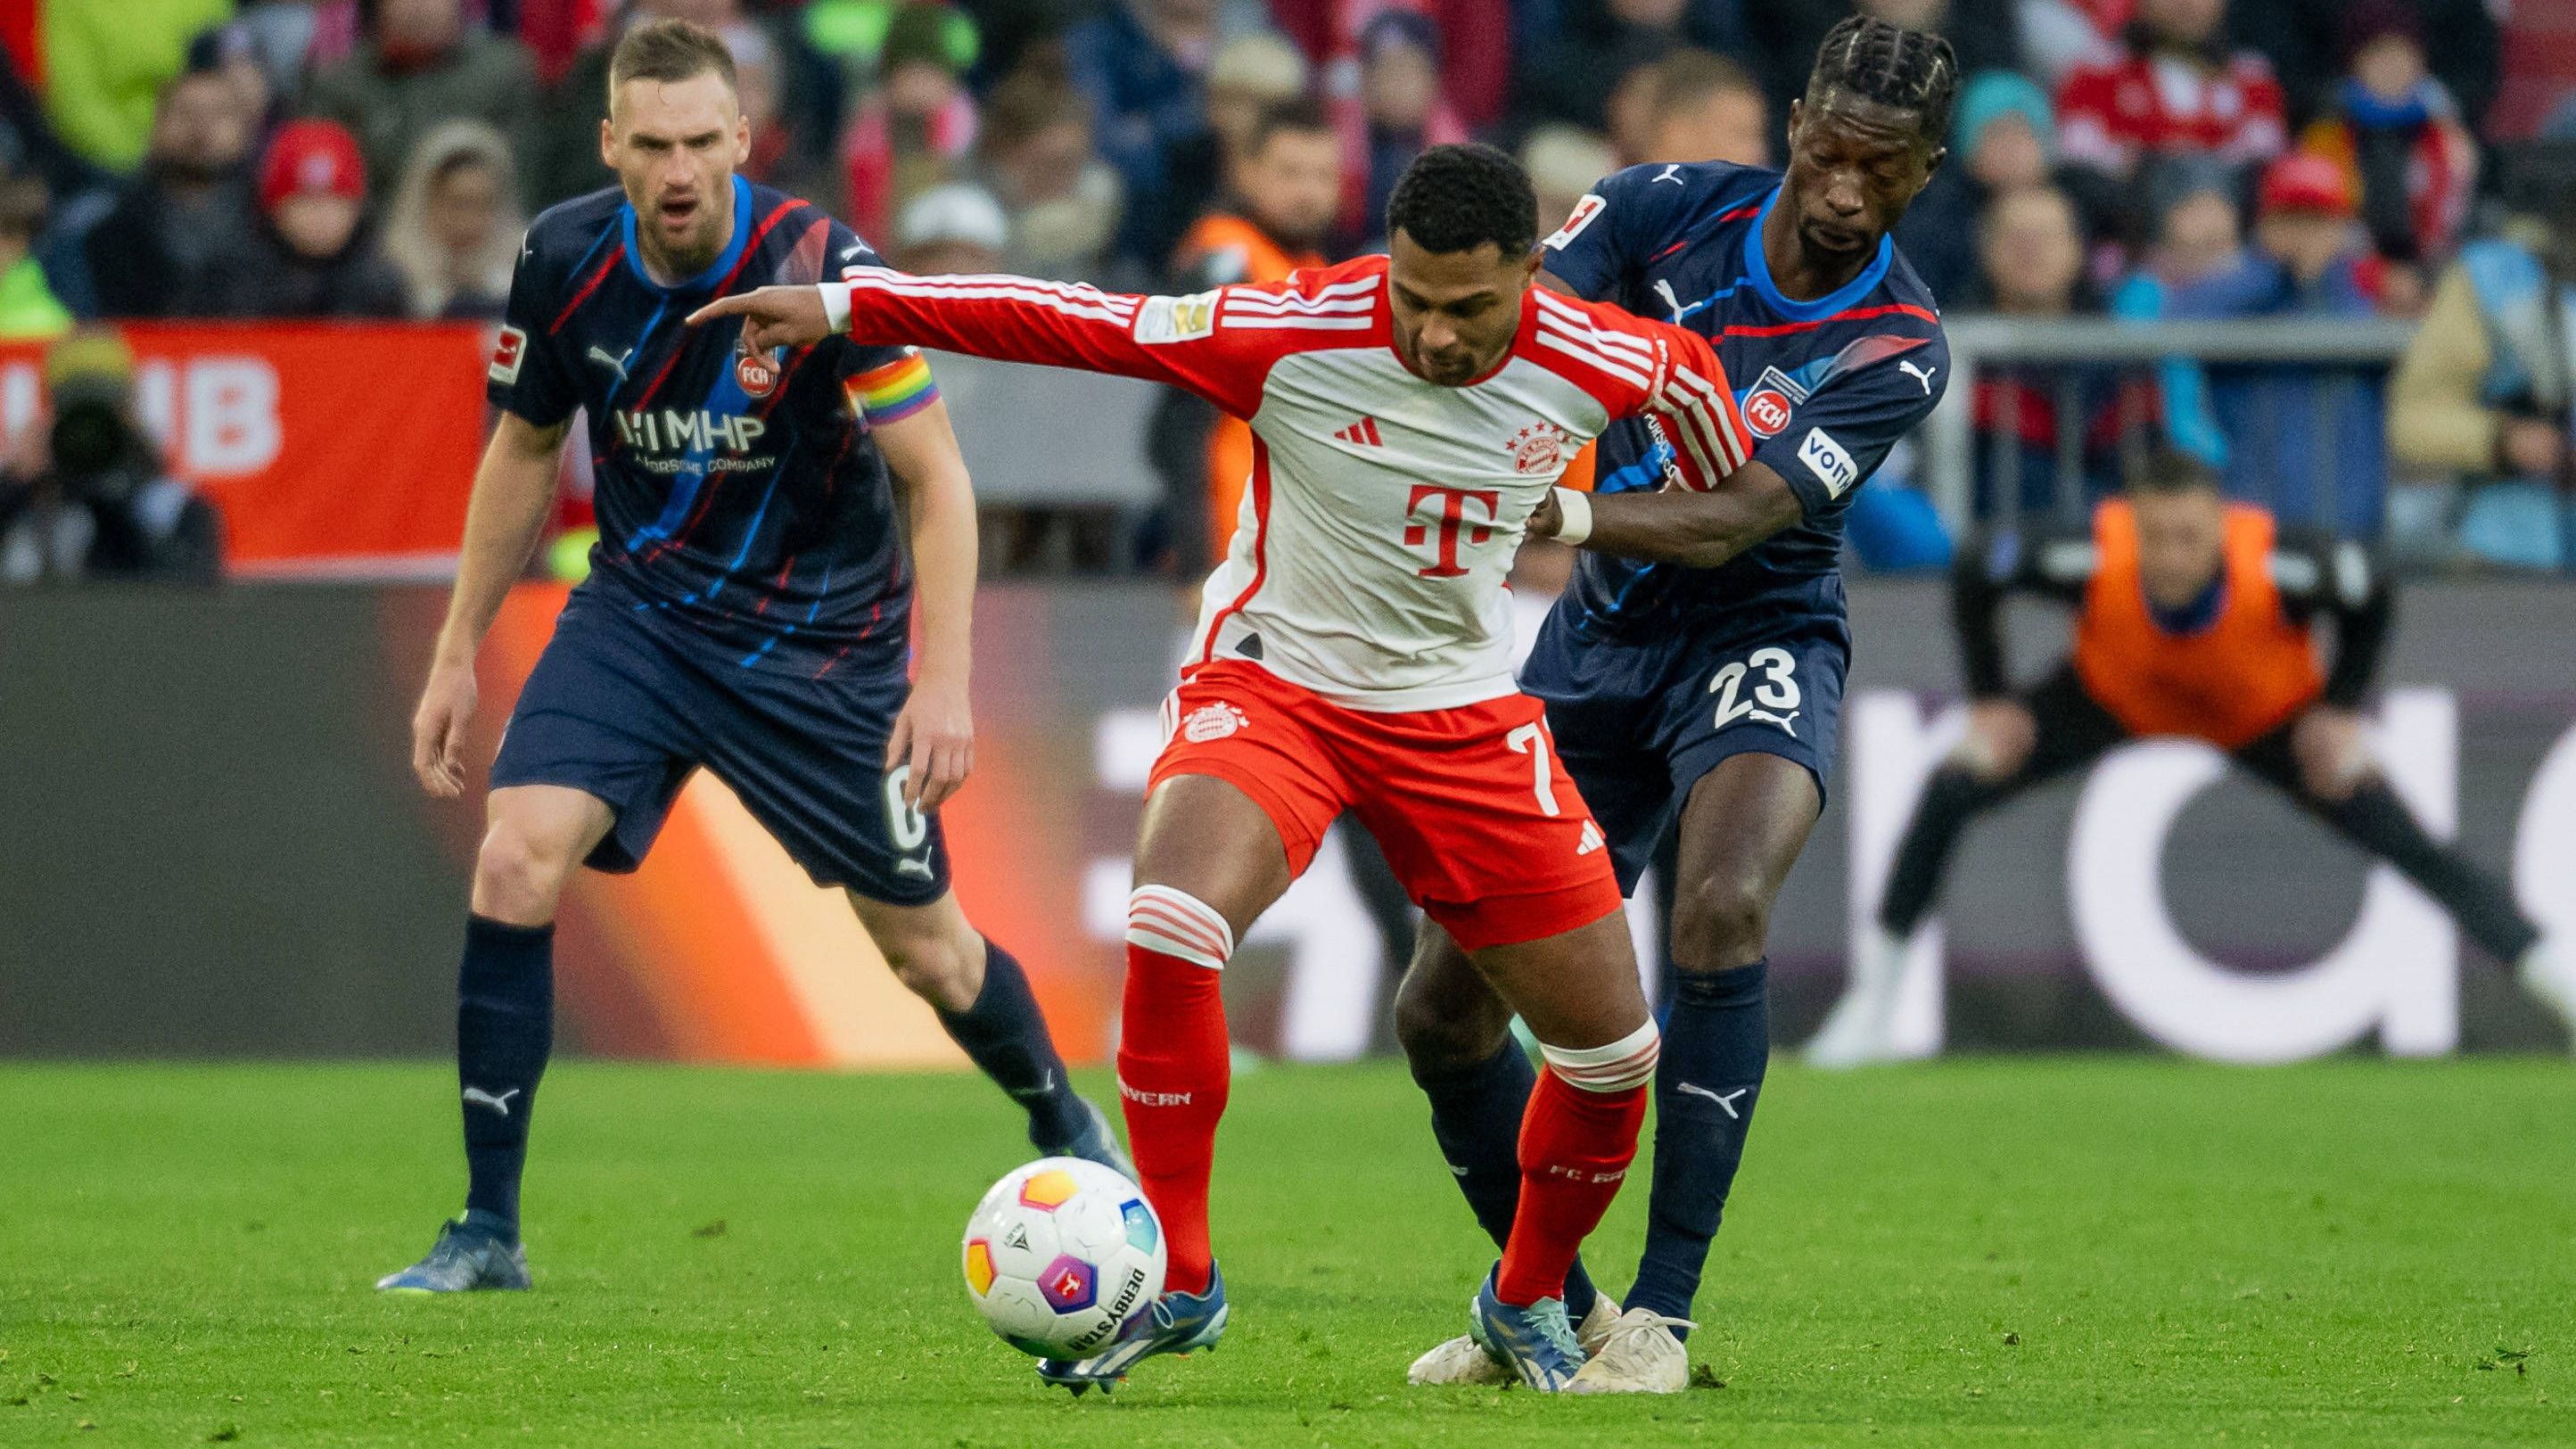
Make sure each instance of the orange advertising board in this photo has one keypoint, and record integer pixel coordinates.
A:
(333, 448)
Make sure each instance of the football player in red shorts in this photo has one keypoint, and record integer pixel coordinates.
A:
(1410, 412)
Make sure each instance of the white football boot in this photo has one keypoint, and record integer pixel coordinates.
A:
(2550, 976)
(1462, 1361)
(1861, 1028)
(1639, 1354)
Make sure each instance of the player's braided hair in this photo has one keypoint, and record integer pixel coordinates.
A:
(1911, 70)
(1456, 198)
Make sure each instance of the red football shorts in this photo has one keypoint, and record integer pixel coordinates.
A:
(1482, 825)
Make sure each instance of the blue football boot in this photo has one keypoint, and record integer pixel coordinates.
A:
(1177, 1323)
(1536, 1343)
(471, 1253)
(1096, 1142)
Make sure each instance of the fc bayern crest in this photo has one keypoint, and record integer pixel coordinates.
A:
(1538, 448)
(757, 372)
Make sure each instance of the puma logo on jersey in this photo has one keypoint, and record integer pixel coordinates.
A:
(852, 250)
(615, 364)
(476, 1096)
(1782, 720)
(914, 865)
(1672, 172)
(1922, 375)
(1362, 434)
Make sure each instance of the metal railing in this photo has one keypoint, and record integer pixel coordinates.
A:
(1980, 343)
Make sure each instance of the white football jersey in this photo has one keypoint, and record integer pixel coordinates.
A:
(1383, 510)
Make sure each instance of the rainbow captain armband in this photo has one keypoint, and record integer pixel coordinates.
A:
(895, 391)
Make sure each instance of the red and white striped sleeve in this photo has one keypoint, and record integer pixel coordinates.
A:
(1666, 372)
(1173, 340)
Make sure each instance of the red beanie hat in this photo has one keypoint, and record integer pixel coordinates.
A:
(311, 158)
(2304, 182)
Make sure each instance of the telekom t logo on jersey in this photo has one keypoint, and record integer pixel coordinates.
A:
(1450, 505)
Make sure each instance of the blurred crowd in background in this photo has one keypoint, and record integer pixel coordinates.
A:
(2122, 159)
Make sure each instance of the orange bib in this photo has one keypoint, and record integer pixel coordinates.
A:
(2243, 676)
(1230, 441)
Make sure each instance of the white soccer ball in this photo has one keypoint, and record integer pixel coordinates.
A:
(1060, 1255)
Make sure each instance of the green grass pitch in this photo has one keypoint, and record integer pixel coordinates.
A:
(2028, 1252)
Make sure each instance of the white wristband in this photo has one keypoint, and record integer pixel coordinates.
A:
(1574, 515)
(836, 306)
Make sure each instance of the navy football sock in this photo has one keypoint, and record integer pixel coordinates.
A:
(1476, 1118)
(1717, 1041)
(505, 1026)
(1005, 1035)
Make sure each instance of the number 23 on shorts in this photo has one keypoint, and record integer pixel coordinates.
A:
(1775, 697)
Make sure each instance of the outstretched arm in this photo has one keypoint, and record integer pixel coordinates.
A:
(1700, 528)
(1171, 340)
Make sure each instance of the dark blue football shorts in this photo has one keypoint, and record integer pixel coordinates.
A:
(624, 704)
(1638, 722)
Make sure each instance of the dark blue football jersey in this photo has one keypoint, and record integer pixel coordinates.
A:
(1826, 386)
(739, 495)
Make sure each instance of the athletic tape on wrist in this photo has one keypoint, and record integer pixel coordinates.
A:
(1574, 510)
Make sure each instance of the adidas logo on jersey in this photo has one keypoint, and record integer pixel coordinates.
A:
(1361, 434)
(1591, 839)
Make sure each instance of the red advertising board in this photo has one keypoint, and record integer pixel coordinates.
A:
(333, 448)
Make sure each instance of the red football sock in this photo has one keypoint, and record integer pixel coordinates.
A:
(1575, 1148)
(1173, 1068)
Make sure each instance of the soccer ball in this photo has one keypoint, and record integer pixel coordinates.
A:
(1062, 1254)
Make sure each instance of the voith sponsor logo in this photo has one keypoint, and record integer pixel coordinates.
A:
(682, 430)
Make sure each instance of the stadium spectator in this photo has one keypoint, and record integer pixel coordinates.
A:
(1251, 73)
(2484, 390)
(1401, 112)
(1285, 190)
(2309, 45)
(2048, 436)
(311, 255)
(1702, 107)
(419, 65)
(2003, 137)
(761, 79)
(83, 491)
(28, 307)
(1142, 64)
(229, 50)
(2060, 37)
(565, 160)
(2177, 88)
(913, 131)
(2198, 235)
(190, 203)
(453, 228)
(106, 67)
(1036, 158)
(2308, 443)
(1574, 76)
(1564, 163)
(949, 229)
(2394, 130)
(1476, 67)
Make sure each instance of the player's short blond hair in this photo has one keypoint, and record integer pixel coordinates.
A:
(669, 51)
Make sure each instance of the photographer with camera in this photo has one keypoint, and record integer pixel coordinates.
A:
(83, 494)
